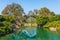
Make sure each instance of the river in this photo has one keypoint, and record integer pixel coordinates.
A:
(40, 34)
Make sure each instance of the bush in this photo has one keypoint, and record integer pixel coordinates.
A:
(55, 24)
(42, 20)
(5, 22)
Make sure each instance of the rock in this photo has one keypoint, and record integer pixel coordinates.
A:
(52, 29)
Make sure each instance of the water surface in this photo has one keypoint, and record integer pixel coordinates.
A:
(40, 34)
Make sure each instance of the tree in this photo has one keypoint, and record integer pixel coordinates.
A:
(30, 13)
(54, 18)
(4, 25)
(13, 9)
(2, 18)
(35, 13)
(16, 11)
(41, 20)
(46, 12)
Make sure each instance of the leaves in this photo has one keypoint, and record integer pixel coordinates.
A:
(55, 24)
(42, 20)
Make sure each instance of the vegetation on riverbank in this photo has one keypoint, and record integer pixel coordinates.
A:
(13, 19)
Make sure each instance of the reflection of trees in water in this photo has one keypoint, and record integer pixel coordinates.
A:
(43, 34)
(30, 32)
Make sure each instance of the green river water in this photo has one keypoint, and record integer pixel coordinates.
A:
(41, 34)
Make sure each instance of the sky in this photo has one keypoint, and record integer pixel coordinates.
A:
(27, 5)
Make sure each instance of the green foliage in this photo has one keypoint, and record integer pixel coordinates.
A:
(42, 20)
(9, 18)
(13, 9)
(54, 18)
(53, 24)
(5, 22)
(31, 20)
(13, 13)
(2, 18)
(10, 15)
(46, 12)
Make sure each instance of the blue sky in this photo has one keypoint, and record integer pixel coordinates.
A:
(53, 5)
